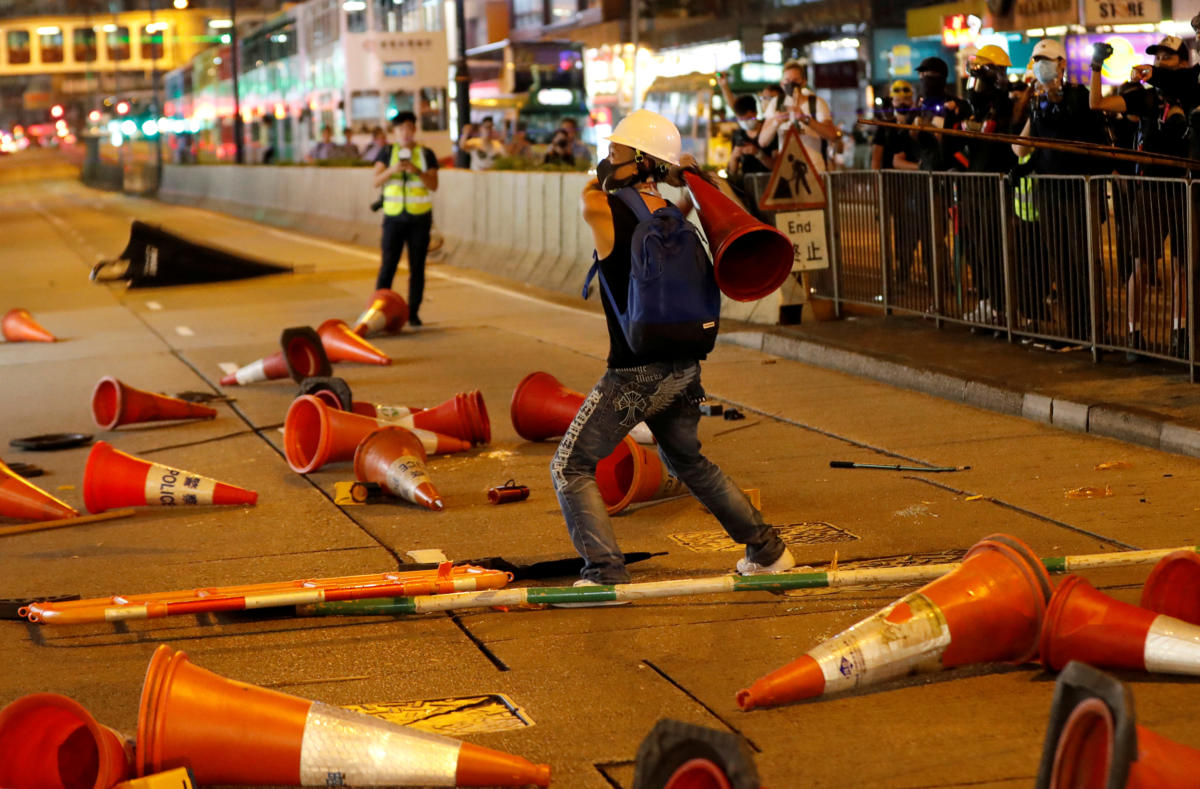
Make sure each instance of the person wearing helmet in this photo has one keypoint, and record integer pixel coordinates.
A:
(1161, 97)
(663, 390)
(1059, 110)
(989, 110)
(905, 212)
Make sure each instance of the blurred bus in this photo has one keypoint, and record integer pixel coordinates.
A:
(693, 102)
(533, 84)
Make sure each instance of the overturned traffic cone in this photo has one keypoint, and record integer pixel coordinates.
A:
(114, 479)
(229, 732)
(333, 390)
(387, 312)
(343, 345)
(1085, 624)
(301, 356)
(462, 416)
(633, 474)
(21, 499)
(394, 458)
(48, 740)
(1173, 587)
(115, 403)
(315, 434)
(386, 412)
(988, 609)
(1093, 740)
(542, 407)
(19, 326)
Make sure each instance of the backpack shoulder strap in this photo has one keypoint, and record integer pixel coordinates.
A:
(812, 105)
(630, 197)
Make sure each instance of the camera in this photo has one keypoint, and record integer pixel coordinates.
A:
(404, 154)
(378, 204)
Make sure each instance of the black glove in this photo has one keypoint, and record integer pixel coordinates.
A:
(1101, 51)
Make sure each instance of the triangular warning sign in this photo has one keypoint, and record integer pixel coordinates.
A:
(795, 184)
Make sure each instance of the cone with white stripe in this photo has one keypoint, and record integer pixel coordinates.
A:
(301, 355)
(988, 609)
(232, 733)
(387, 312)
(113, 478)
(1173, 587)
(462, 416)
(1085, 624)
(393, 457)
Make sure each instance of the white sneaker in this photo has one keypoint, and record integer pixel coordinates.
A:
(784, 563)
(590, 604)
(983, 313)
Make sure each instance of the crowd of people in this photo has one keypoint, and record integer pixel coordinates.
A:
(1155, 111)
(480, 145)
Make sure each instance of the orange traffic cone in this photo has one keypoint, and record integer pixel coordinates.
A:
(988, 609)
(48, 740)
(19, 326)
(542, 407)
(394, 458)
(229, 732)
(632, 474)
(115, 403)
(387, 312)
(21, 499)
(301, 356)
(1173, 587)
(315, 434)
(385, 412)
(462, 416)
(113, 478)
(1088, 625)
(1093, 740)
(343, 345)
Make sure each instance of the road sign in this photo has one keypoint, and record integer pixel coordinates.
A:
(806, 229)
(795, 184)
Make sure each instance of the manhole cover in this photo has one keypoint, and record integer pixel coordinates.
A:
(804, 533)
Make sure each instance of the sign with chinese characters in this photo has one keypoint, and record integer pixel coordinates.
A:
(399, 68)
(806, 229)
(1044, 13)
(1122, 12)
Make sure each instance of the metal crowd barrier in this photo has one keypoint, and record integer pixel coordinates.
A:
(1103, 262)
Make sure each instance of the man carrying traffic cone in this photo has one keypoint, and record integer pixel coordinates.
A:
(658, 384)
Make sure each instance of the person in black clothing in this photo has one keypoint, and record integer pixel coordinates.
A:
(907, 208)
(1060, 110)
(559, 151)
(1162, 108)
(662, 390)
(408, 175)
(939, 109)
(990, 110)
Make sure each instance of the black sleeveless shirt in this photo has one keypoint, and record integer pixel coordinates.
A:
(616, 269)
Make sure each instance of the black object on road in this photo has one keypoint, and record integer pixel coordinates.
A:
(52, 441)
(550, 568)
(9, 607)
(849, 464)
(733, 414)
(26, 470)
(205, 397)
(711, 409)
(328, 383)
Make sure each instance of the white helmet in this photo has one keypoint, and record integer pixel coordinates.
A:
(649, 133)
(1050, 48)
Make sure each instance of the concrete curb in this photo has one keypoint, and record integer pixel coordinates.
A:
(1131, 425)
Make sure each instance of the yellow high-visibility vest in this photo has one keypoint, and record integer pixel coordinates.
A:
(1023, 196)
(407, 193)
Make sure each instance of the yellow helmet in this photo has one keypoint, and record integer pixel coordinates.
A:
(992, 55)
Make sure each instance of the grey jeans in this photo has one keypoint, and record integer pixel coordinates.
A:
(666, 396)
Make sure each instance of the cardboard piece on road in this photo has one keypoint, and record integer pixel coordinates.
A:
(806, 229)
(795, 183)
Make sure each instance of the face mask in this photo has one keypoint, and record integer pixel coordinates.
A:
(1174, 83)
(747, 124)
(933, 86)
(1045, 71)
(606, 175)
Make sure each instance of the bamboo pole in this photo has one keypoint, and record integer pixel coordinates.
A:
(59, 523)
(780, 582)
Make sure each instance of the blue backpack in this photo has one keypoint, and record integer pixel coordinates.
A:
(674, 305)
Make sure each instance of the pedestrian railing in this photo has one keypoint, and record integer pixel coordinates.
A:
(1103, 262)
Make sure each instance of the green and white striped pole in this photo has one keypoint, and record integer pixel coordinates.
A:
(780, 582)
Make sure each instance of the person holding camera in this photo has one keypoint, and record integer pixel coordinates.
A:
(804, 109)
(408, 174)
(559, 151)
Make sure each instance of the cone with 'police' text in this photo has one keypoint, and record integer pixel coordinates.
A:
(21, 499)
(1085, 624)
(113, 478)
(19, 326)
(51, 741)
(988, 609)
(387, 312)
(315, 434)
(631, 474)
(343, 345)
(394, 458)
(1093, 740)
(115, 403)
(229, 732)
(301, 355)
(1173, 587)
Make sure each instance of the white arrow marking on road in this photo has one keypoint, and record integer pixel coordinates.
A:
(184, 331)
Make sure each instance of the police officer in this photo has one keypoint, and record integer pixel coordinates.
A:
(1162, 107)
(408, 174)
